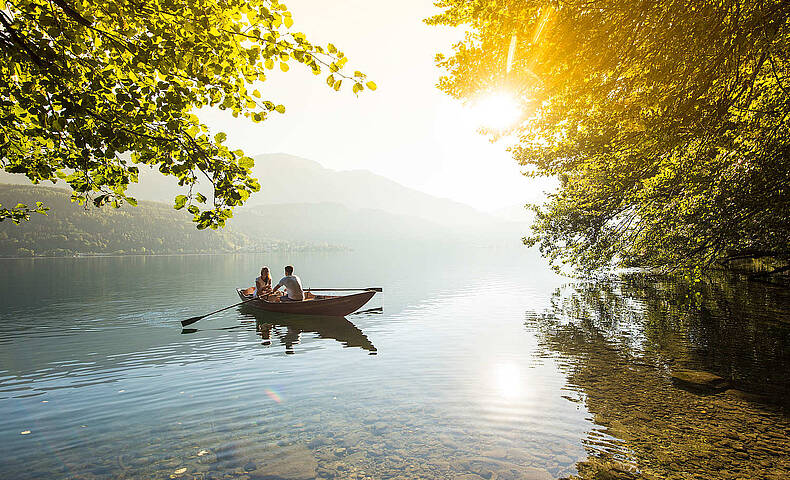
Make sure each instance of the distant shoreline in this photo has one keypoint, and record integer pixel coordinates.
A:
(118, 255)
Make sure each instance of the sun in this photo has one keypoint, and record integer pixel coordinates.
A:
(496, 111)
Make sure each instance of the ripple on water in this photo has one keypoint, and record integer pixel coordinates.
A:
(463, 383)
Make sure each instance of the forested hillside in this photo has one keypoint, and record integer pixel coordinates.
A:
(150, 228)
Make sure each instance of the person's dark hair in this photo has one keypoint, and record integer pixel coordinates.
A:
(289, 270)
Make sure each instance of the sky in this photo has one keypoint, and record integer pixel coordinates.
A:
(406, 130)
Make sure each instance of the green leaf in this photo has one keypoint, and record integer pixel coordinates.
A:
(246, 162)
(142, 75)
(181, 200)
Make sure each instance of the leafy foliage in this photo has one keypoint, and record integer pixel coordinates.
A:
(21, 212)
(83, 82)
(666, 123)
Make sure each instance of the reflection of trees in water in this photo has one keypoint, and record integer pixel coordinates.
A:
(738, 329)
(618, 342)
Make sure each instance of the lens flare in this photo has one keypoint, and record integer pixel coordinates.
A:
(273, 395)
(496, 111)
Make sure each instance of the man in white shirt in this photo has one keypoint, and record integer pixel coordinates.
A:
(293, 286)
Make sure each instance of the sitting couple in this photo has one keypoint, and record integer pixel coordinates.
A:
(292, 284)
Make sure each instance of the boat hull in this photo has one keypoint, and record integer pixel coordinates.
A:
(333, 306)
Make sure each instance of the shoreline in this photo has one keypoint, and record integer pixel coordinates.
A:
(119, 255)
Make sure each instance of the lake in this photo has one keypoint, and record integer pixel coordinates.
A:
(472, 364)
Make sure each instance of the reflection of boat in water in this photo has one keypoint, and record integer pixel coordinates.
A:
(327, 305)
(338, 328)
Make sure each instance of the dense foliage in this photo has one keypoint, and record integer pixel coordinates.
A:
(83, 82)
(666, 122)
(150, 228)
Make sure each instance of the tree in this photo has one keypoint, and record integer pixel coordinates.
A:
(86, 83)
(666, 123)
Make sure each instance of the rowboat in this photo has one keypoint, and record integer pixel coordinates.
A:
(328, 305)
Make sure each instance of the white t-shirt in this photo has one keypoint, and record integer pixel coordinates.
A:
(293, 287)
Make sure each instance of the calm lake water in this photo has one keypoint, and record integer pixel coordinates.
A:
(473, 364)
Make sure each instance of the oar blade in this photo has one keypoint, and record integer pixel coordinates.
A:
(190, 321)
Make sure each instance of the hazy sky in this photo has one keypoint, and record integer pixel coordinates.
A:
(406, 130)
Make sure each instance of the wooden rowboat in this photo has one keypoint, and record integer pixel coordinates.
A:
(329, 305)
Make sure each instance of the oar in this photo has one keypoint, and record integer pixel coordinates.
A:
(190, 321)
(374, 289)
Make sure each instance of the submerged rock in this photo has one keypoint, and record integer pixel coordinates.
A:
(699, 380)
(600, 469)
(489, 468)
(317, 442)
(294, 463)
(206, 457)
(523, 473)
(746, 396)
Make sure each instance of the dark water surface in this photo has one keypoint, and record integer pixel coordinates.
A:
(473, 364)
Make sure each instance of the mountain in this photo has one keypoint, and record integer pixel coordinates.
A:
(290, 179)
(153, 186)
(335, 224)
(303, 203)
(514, 213)
(150, 228)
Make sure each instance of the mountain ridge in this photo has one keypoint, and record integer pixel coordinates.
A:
(287, 178)
(305, 203)
(354, 188)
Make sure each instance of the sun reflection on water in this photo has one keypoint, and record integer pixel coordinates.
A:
(507, 380)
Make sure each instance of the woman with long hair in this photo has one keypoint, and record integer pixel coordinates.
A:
(263, 284)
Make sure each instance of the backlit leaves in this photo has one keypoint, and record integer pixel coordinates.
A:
(664, 122)
(89, 89)
(21, 212)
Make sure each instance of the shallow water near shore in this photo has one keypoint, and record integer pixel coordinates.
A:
(473, 363)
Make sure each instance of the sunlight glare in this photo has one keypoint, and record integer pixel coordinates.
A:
(496, 111)
(507, 379)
